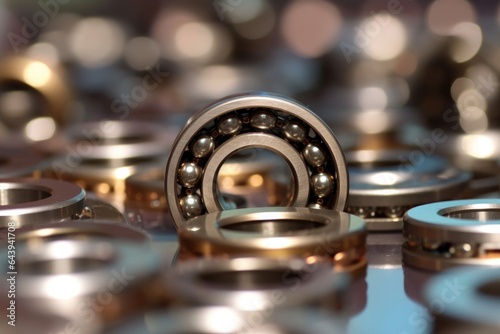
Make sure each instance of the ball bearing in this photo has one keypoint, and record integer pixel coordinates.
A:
(447, 234)
(263, 121)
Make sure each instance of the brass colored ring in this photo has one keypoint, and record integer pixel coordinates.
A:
(317, 235)
(250, 283)
(452, 233)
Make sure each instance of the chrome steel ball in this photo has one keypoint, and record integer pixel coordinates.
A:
(229, 125)
(313, 155)
(294, 131)
(203, 146)
(191, 205)
(189, 174)
(263, 120)
(322, 184)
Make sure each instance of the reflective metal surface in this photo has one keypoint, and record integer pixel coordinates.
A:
(384, 184)
(20, 162)
(317, 235)
(445, 234)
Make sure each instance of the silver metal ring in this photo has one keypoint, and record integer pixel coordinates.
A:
(34, 201)
(250, 283)
(211, 132)
(76, 230)
(446, 234)
(317, 235)
(225, 320)
(465, 301)
(61, 276)
(384, 184)
(16, 162)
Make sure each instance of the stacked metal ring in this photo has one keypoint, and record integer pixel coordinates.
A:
(335, 237)
(101, 155)
(20, 162)
(259, 120)
(465, 301)
(384, 184)
(224, 320)
(257, 284)
(446, 234)
(26, 202)
(92, 280)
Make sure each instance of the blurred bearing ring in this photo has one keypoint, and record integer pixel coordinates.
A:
(446, 234)
(61, 276)
(250, 283)
(384, 184)
(317, 235)
(35, 201)
(225, 320)
(258, 120)
(77, 230)
(475, 304)
(20, 162)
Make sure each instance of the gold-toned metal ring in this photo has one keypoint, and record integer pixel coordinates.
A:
(316, 235)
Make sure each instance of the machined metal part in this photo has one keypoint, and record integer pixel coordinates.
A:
(224, 320)
(465, 300)
(258, 120)
(76, 230)
(451, 233)
(316, 235)
(384, 184)
(26, 202)
(252, 283)
(109, 280)
(16, 162)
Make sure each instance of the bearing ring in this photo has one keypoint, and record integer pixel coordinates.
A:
(254, 120)
(36, 201)
(475, 301)
(446, 234)
(384, 184)
(317, 235)
(251, 284)
(61, 277)
(224, 320)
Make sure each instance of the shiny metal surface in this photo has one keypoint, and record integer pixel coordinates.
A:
(224, 320)
(317, 235)
(445, 234)
(384, 184)
(471, 300)
(147, 189)
(290, 124)
(77, 230)
(253, 284)
(35, 201)
(96, 280)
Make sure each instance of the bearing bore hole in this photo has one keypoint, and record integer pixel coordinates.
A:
(259, 279)
(20, 196)
(260, 176)
(481, 215)
(279, 227)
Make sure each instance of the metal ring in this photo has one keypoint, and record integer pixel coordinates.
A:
(34, 201)
(446, 234)
(264, 114)
(261, 140)
(16, 162)
(224, 320)
(250, 284)
(317, 235)
(147, 189)
(61, 276)
(76, 230)
(474, 305)
(384, 184)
